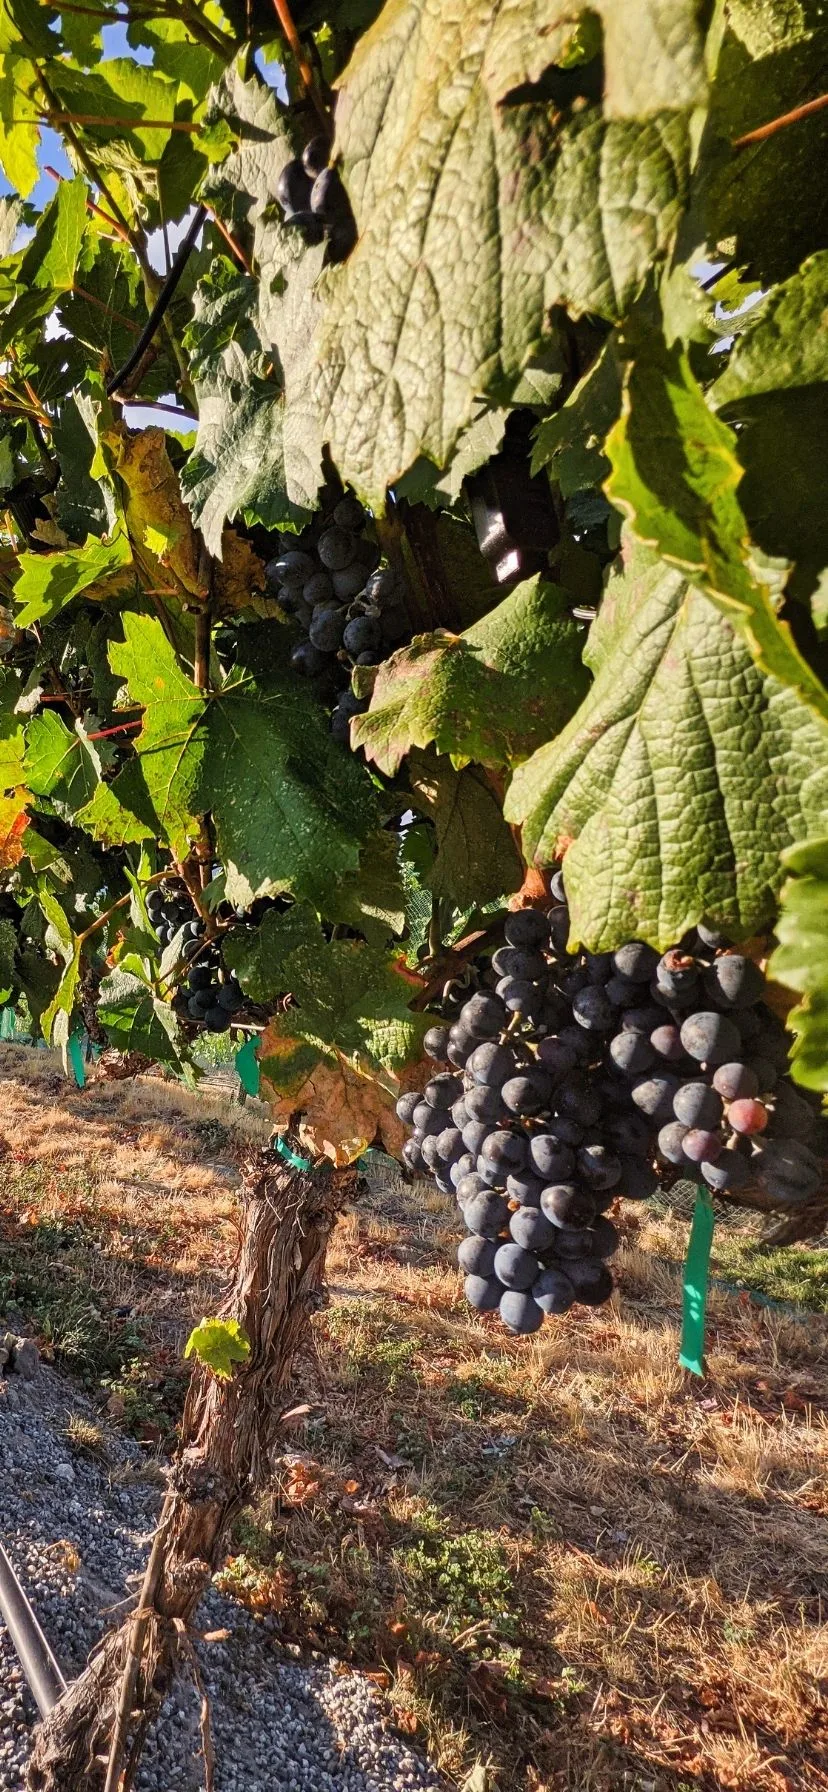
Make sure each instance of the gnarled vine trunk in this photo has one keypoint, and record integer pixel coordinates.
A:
(228, 1431)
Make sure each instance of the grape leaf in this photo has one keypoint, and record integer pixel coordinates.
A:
(19, 137)
(8, 949)
(51, 257)
(47, 582)
(289, 807)
(219, 1344)
(476, 860)
(171, 743)
(674, 473)
(12, 736)
(681, 778)
(653, 49)
(491, 694)
(13, 823)
(775, 392)
(157, 521)
(801, 957)
(120, 813)
(342, 1110)
(60, 763)
(55, 1019)
(571, 441)
(475, 219)
(139, 1022)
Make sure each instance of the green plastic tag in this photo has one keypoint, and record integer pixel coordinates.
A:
(291, 1157)
(7, 1024)
(75, 1054)
(247, 1065)
(696, 1277)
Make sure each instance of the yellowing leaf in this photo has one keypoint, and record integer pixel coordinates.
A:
(13, 823)
(218, 1344)
(342, 1110)
(158, 522)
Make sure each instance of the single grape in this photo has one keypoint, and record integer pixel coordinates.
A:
(793, 1118)
(531, 1229)
(362, 635)
(559, 927)
(747, 1116)
(566, 1205)
(653, 1096)
(638, 1179)
(459, 1047)
(199, 1004)
(620, 991)
(293, 568)
(308, 659)
(730, 1171)
(326, 629)
(449, 1144)
(520, 1313)
(573, 980)
(574, 1097)
(515, 1267)
(476, 1255)
(528, 1093)
(553, 1292)
(484, 1015)
(604, 1238)
(435, 1042)
(483, 1293)
(710, 1038)
(556, 1057)
(578, 1041)
(200, 977)
(568, 1131)
(677, 974)
(231, 996)
(318, 589)
(443, 1090)
(466, 1187)
(314, 159)
(631, 1053)
(709, 937)
(475, 1135)
(431, 1151)
(329, 199)
(462, 1167)
(695, 1104)
(671, 1142)
(591, 1280)
(789, 1170)
(217, 1019)
(556, 886)
(643, 1018)
(293, 188)
(556, 1010)
(733, 981)
(733, 1082)
(636, 961)
(348, 582)
(412, 1155)
(483, 1103)
(505, 1151)
(487, 1213)
(523, 1186)
(520, 997)
(526, 928)
(427, 1119)
(629, 1134)
(702, 1146)
(336, 548)
(593, 1010)
(598, 1166)
(511, 961)
(550, 1159)
(492, 1064)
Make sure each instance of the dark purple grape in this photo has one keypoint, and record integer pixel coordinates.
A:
(527, 928)
(638, 1179)
(492, 1064)
(515, 1267)
(789, 1170)
(466, 1187)
(671, 1142)
(568, 1131)
(531, 1229)
(730, 1171)
(348, 582)
(293, 568)
(475, 1134)
(523, 1186)
(734, 1081)
(476, 1255)
(559, 927)
(450, 1144)
(348, 513)
(710, 1038)
(598, 1166)
(362, 635)
(636, 961)
(556, 1057)
(459, 1047)
(593, 1010)
(326, 629)
(293, 188)
(483, 1293)
(528, 1093)
(604, 1238)
(484, 1015)
(308, 660)
(696, 1104)
(578, 1041)
(702, 1146)
(793, 1118)
(406, 1107)
(428, 1120)
(591, 1280)
(643, 1018)
(505, 1151)
(520, 997)
(733, 981)
(574, 1097)
(598, 966)
(665, 1039)
(766, 1074)
(565, 1205)
(431, 1151)
(631, 1053)
(483, 1103)
(653, 1096)
(336, 548)
(556, 1010)
(553, 1292)
(412, 1156)
(629, 1134)
(510, 961)
(556, 886)
(708, 936)
(572, 981)
(551, 1160)
(520, 1313)
(620, 991)
(435, 1042)
(329, 199)
(462, 1167)
(677, 974)
(487, 1213)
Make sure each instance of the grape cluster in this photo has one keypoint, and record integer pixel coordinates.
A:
(350, 609)
(315, 202)
(208, 997)
(567, 1080)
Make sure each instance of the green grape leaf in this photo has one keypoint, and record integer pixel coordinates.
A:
(371, 899)
(12, 733)
(8, 949)
(289, 806)
(60, 763)
(801, 957)
(476, 860)
(674, 474)
(19, 139)
(138, 1022)
(476, 218)
(139, 102)
(171, 744)
(120, 813)
(681, 778)
(55, 1019)
(51, 257)
(48, 582)
(775, 392)
(219, 1344)
(349, 996)
(571, 441)
(492, 694)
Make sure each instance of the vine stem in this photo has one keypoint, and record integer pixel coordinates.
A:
(101, 920)
(93, 118)
(285, 17)
(806, 110)
(132, 1666)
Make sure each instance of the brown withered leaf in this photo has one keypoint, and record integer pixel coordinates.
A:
(341, 1109)
(237, 579)
(158, 521)
(13, 824)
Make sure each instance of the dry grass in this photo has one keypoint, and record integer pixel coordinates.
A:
(564, 1558)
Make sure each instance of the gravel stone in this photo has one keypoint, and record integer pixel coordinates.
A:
(74, 1531)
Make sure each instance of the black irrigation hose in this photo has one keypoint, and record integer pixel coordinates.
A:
(36, 1658)
(182, 254)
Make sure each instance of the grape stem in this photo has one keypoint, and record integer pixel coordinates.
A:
(778, 124)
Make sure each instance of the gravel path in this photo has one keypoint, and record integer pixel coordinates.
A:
(74, 1527)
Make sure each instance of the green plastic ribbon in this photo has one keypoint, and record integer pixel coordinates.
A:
(75, 1055)
(247, 1066)
(696, 1278)
(291, 1157)
(7, 1020)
